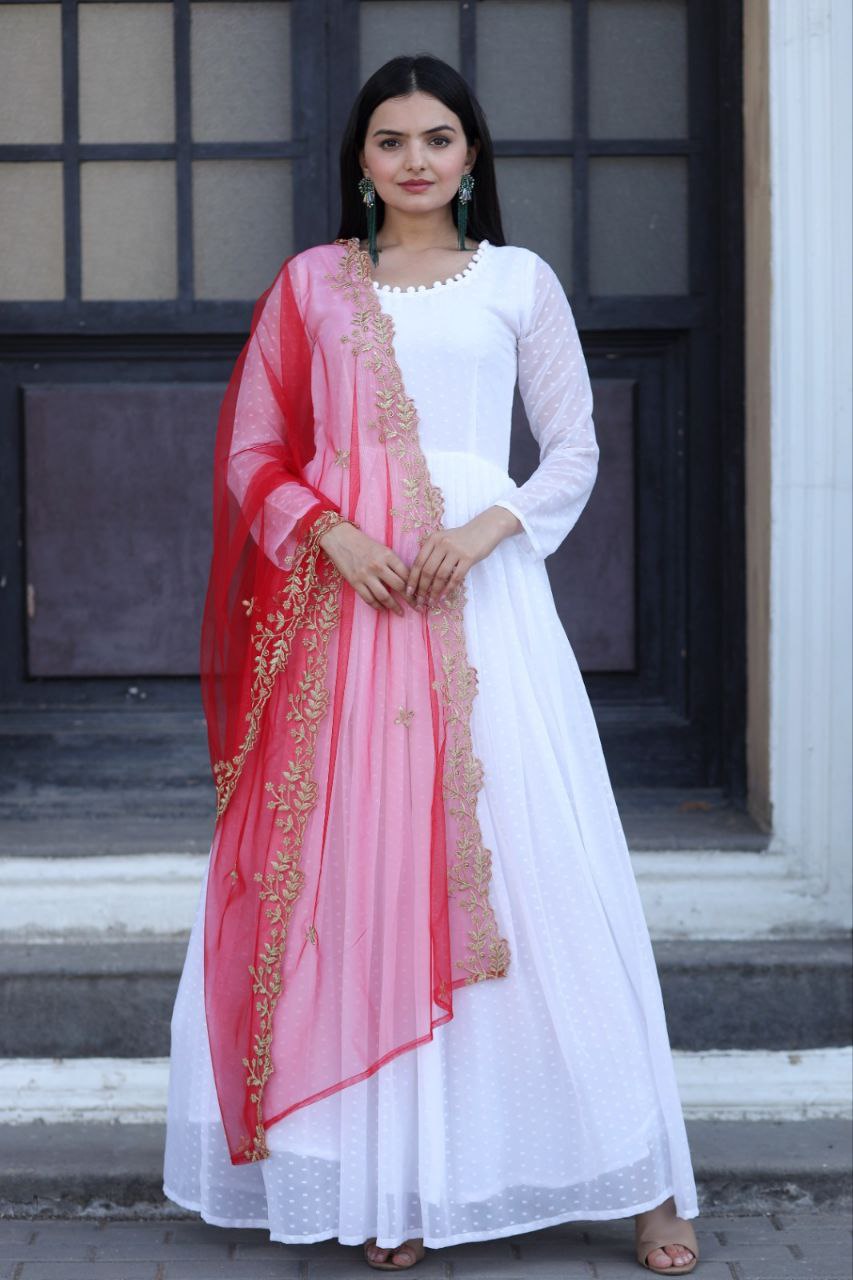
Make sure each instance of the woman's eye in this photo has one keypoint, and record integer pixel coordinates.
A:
(386, 143)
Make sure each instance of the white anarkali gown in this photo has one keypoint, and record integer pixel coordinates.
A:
(551, 1094)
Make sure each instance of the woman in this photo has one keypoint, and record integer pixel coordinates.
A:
(412, 797)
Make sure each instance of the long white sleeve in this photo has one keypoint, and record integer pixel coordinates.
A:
(555, 389)
(259, 421)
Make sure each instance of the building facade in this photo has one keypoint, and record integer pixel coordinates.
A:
(685, 167)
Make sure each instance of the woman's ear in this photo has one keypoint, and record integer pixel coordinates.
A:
(471, 154)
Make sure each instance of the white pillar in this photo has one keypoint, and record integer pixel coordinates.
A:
(811, 433)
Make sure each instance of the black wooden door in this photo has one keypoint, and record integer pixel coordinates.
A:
(176, 150)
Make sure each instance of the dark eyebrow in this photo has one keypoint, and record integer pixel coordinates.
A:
(396, 133)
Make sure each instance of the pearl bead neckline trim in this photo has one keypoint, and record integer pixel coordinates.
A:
(459, 278)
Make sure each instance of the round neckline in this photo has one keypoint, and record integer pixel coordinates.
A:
(413, 290)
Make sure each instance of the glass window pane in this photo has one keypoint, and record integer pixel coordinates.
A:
(638, 224)
(638, 69)
(391, 27)
(127, 73)
(30, 73)
(536, 208)
(242, 225)
(241, 71)
(128, 212)
(525, 48)
(32, 240)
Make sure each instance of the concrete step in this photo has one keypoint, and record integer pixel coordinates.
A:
(136, 779)
(131, 780)
(114, 999)
(753, 1167)
(717, 1084)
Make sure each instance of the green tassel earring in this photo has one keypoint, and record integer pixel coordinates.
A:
(368, 195)
(466, 189)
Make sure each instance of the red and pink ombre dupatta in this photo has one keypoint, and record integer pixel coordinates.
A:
(348, 890)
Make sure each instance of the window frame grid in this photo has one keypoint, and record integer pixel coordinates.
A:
(184, 313)
(316, 185)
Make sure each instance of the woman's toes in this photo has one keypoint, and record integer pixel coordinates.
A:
(404, 1255)
(670, 1255)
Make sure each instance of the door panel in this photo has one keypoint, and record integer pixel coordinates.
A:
(592, 574)
(147, 207)
(117, 527)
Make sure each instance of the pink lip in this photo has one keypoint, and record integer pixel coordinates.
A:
(416, 186)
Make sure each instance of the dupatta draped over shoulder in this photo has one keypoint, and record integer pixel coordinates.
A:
(348, 888)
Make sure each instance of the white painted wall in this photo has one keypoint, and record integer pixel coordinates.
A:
(811, 72)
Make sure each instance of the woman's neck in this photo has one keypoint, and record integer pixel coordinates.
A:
(417, 233)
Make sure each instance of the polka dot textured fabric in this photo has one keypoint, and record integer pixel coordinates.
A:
(551, 1094)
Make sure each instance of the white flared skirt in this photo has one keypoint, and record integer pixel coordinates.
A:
(551, 1094)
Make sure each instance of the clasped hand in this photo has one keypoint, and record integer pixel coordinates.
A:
(379, 575)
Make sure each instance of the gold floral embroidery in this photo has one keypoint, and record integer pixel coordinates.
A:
(293, 798)
(371, 338)
(342, 457)
(404, 716)
(272, 643)
(311, 934)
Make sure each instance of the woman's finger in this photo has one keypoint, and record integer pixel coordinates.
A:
(396, 581)
(435, 572)
(427, 573)
(413, 582)
(442, 578)
(399, 567)
(454, 580)
(365, 593)
(383, 595)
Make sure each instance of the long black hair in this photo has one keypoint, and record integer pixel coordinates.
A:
(398, 78)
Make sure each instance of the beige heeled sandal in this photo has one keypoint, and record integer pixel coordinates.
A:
(659, 1227)
(415, 1247)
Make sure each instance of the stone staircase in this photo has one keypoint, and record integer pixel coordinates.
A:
(104, 829)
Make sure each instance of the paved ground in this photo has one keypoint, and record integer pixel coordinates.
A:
(806, 1245)
(754, 1167)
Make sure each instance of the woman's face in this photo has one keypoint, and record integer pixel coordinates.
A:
(415, 151)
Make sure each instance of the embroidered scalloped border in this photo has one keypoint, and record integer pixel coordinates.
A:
(372, 339)
(272, 642)
(317, 613)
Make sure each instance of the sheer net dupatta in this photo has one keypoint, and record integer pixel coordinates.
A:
(348, 886)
